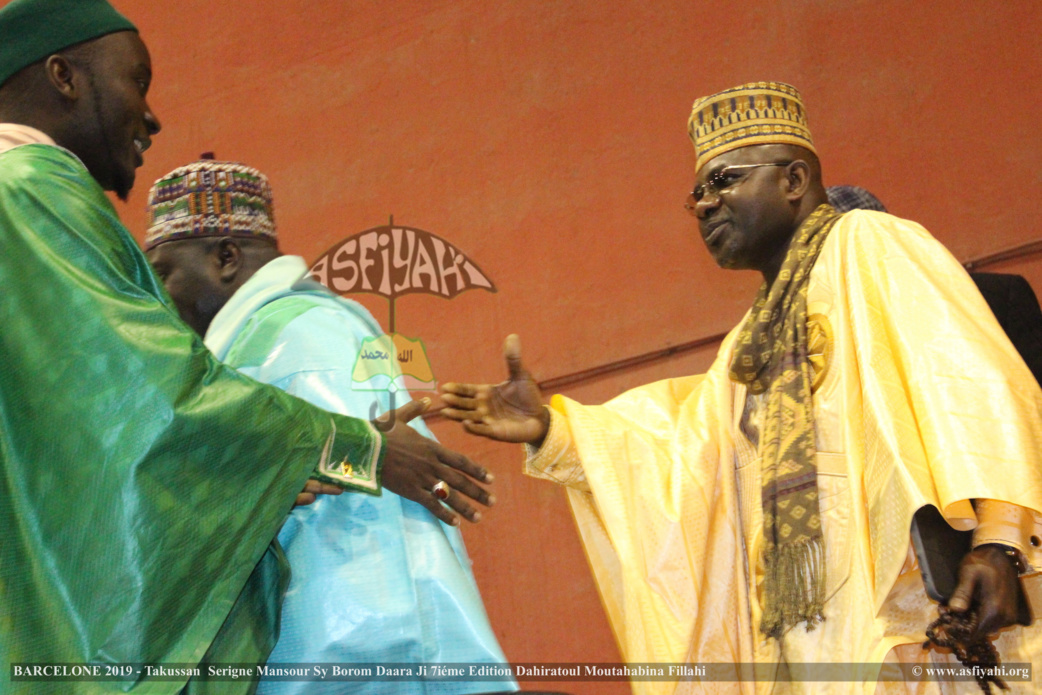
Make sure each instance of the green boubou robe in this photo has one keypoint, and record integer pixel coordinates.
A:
(141, 481)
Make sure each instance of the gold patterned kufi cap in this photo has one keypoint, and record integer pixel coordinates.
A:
(758, 113)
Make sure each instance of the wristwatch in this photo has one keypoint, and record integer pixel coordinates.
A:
(1014, 555)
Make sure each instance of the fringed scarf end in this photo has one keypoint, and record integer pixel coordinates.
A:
(794, 587)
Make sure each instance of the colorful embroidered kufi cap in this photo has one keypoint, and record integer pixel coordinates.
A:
(210, 198)
(31, 30)
(758, 113)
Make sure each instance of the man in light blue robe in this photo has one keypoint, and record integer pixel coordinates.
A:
(376, 579)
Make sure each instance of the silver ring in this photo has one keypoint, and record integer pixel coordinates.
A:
(440, 490)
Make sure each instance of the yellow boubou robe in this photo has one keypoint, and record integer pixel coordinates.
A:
(919, 399)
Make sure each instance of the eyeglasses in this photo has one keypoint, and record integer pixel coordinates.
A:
(721, 180)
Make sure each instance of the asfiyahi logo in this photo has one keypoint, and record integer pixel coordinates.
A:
(391, 261)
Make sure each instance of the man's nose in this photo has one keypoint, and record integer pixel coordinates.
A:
(709, 202)
(151, 122)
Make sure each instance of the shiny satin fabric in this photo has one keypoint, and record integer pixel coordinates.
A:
(922, 400)
(141, 481)
(375, 579)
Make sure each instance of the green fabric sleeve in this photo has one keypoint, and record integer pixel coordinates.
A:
(141, 479)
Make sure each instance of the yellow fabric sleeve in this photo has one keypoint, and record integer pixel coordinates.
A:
(1012, 525)
(557, 460)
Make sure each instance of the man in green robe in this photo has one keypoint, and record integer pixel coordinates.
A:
(141, 481)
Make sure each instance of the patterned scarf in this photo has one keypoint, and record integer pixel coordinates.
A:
(771, 356)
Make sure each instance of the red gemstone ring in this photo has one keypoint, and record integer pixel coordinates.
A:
(441, 490)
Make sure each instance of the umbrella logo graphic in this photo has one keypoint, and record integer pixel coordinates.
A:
(391, 261)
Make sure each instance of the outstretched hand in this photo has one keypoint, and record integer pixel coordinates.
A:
(508, 412)
(414, 464)
(988, 583)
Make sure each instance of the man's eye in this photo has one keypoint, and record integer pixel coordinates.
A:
(722, 180)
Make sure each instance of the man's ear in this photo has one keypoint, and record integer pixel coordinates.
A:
(797, 178)
(66, 77)
(229, 258)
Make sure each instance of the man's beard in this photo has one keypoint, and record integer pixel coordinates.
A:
(119, 184)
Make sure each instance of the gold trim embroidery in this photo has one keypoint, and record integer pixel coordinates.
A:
(819, 348)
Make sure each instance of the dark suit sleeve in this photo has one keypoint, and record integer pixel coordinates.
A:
(1016, 307)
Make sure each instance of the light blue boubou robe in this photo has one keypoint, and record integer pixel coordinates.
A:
(375, 579)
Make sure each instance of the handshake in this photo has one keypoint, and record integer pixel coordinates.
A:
(443, 481)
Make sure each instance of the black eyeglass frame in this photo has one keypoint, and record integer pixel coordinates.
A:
(718, 181)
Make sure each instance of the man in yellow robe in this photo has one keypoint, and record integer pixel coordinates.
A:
(757, 517)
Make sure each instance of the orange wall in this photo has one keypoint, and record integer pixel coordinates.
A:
(547, 140)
